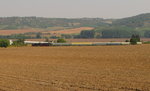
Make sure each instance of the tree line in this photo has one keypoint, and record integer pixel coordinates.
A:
(113, 32)
(44, 23)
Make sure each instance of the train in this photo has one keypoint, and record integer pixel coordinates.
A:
(33, 43)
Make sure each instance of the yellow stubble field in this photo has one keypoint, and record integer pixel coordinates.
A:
(75, 68)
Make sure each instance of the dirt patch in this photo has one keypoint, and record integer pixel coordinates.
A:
(75, 68)
(21, 31)
(71, 31)
(59, 31)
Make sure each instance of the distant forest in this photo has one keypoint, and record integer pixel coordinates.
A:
(44, 23)
(103, 28)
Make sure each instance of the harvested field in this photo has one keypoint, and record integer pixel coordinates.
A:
(75, 68)
(21, 31)
(71, 31)
(59, 31)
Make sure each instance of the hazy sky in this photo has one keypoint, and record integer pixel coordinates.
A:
(74, 8)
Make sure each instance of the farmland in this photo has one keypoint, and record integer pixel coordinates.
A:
(52, 30)
(18, 31)
(71, 31)
(75, 68)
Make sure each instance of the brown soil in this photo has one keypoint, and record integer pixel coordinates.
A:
(71, 31)
(66, 31)
(75, 68)
(21, 31)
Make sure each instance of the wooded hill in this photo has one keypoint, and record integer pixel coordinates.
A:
(142, 20)
(39, 22)
(103, 28)
(122, 28)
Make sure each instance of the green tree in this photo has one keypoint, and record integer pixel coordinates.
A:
(147, 34)
(38, 35)
(19, 42)
(87, 34)
(118, 32)
(4, 43)
(67, 36)
(138, 38)
(46, 39)
(134, 39)
(127, 41)
(61, 41)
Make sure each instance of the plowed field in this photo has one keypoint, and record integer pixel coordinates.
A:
(71, 31)
(75, 68)
(21, 31)
(59, 31)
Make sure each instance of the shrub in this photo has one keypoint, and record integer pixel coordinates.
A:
(47, 39)
(127, 41)
(134, 39)
(19, 42)
(4, 43)
(147, 42)
(61, 41)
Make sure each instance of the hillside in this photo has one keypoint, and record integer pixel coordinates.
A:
(30, 27)
(44, 23)
(142, 20)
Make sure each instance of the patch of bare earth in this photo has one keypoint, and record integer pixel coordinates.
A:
(75, 68)
(20, 31)
(71, 31)
(65, 31)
